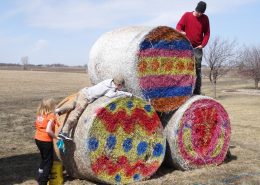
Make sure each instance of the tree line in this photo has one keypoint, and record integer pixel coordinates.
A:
(223, 55)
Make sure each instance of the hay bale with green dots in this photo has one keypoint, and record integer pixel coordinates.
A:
(198, 134)
(117, 140)
(156, 62)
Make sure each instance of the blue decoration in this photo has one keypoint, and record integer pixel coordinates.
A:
(92, 144)
(226, 124)
(137, 177)
(117, 178)
(141, 148)
(169, 45)
(187, 125)
(157, 150)
(148, 108)
(130, 104)
(112, 106)
(111, 142)
(163, 92)
(127, 145)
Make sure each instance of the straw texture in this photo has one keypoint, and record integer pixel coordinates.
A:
(118, 140)
(156, 62)
(198, 134)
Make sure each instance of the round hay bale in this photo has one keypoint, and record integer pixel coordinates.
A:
(198, 134)
(117, 140)
(156, 62)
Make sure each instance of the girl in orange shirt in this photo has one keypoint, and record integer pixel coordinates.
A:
(45, 124)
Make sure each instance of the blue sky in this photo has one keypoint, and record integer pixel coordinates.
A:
(55, 31)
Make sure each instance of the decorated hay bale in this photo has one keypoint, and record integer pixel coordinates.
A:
(157, 63)
(117, 140)
(198, 134)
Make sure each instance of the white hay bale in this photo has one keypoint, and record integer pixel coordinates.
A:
(116, 140)
(198, 134)
(156, 62)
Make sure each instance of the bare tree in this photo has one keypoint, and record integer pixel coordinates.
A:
(25, 62)
(249, 64)
(219, 56)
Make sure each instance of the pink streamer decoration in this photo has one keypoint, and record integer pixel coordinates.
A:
(149, 82)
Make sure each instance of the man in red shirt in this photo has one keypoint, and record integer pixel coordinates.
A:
(195, 25)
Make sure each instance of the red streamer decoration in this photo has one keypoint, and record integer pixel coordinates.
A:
(105, 164)
(120, 118)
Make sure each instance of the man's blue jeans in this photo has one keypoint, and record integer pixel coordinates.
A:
(198, 58)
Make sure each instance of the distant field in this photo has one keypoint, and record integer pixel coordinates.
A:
(21, 92)
(17, 67)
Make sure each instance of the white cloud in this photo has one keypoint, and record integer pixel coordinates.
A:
(82, 14)
(89, 18)
(40, 45)
(226, 6)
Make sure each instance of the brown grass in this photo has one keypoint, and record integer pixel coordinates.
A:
(21, 92)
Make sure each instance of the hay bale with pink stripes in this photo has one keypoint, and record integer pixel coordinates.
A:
(116, 141)
(198, 134)
(156, 62)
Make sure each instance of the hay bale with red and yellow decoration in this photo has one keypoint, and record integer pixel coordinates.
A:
(198, 134)
(156, 62)
(117, 140)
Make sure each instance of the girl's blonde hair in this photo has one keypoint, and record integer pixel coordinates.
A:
(46, 106)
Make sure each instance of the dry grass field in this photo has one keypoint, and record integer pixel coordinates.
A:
(21, 92)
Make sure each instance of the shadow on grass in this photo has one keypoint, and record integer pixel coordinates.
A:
(229, 157)
(17, 169)
(163, 170)
(166, 168)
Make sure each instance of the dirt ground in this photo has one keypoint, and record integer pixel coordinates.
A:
(21, 91)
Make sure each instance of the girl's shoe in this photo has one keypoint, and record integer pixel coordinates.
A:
(65, 136)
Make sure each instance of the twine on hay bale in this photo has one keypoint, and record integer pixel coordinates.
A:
(117, 140)
(156, 62)
(198, 134)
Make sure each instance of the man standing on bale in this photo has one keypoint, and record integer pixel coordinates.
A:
(195, 25)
